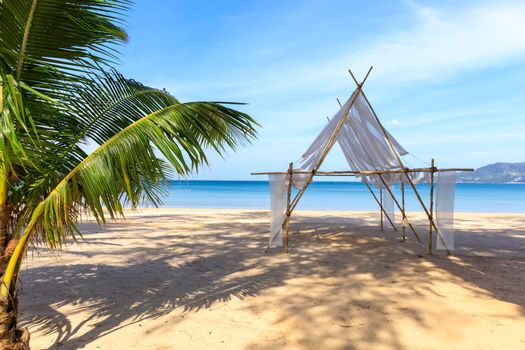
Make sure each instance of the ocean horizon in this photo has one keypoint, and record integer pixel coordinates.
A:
(336, 195)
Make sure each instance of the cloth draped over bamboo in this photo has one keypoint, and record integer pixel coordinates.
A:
(446, 188)
(363, 143)
(278, 189)
(374, 156)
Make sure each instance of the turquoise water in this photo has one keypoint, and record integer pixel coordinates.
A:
(336, 196)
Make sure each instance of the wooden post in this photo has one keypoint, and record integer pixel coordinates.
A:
(431, 207)
(289, 195)
(403, 205)
(381, 206)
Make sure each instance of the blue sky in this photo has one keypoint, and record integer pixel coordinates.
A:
(448, 78)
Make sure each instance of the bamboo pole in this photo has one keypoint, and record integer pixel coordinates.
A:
(289, 194)
(327, 148)
(400, 209)
(431, 209)
(385, 133)
(353, 77)
(382, 210)
(403, 204)
(368, 186)
(381, 206)
(329, 145)
(432, 223)
(402, 166)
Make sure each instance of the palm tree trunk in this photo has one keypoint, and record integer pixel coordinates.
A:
(10, 337)
(5, 212)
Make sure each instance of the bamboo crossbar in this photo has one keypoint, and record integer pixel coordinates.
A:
(364, 172)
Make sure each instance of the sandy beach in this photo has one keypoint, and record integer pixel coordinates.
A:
(199, 279)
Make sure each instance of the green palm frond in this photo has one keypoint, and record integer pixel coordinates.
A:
(49, 47)
(17, 128)
(43, 42)
(55, 97)
(126, 168)
(109, 103)
(134, 124)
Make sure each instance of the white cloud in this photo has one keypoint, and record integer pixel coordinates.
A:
(439, 45)
(292, 98)
(445, 42)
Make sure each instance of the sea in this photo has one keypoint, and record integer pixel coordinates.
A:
(337, 195)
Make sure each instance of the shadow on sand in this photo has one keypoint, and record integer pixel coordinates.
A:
(215, 261)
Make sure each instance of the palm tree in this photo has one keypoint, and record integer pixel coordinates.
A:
(57, 92)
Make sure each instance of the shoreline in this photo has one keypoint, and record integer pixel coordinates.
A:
(307, 211)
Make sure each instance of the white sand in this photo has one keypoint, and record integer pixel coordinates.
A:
(198, 279)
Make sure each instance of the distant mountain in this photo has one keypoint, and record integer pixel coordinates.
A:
(496, 173)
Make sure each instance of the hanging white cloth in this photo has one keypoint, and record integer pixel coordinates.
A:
(299, 180)
(362, 141)
(388, 204)
(311, 158)
(446, 188)
(278, 191)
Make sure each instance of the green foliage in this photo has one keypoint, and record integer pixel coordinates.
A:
(133, 123)
(59, 93)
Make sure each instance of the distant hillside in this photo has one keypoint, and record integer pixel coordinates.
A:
(496, 173)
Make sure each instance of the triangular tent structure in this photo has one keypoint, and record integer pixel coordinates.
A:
(374, 156)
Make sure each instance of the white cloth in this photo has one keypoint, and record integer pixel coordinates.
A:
(388, 204)
(278, 191)
(446, 188)
(362, 141)
(299, 180)
(310, 159)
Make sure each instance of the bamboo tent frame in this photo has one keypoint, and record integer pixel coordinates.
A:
(405, 171)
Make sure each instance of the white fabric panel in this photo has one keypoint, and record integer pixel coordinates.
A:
(278, 191)
(371, 136)
(352, 150)
(400, 149)
(446, 188)
(388, 204)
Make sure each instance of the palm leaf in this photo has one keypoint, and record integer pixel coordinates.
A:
(50, 46)
(133, 123)
(43, 41)
(126, 167)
